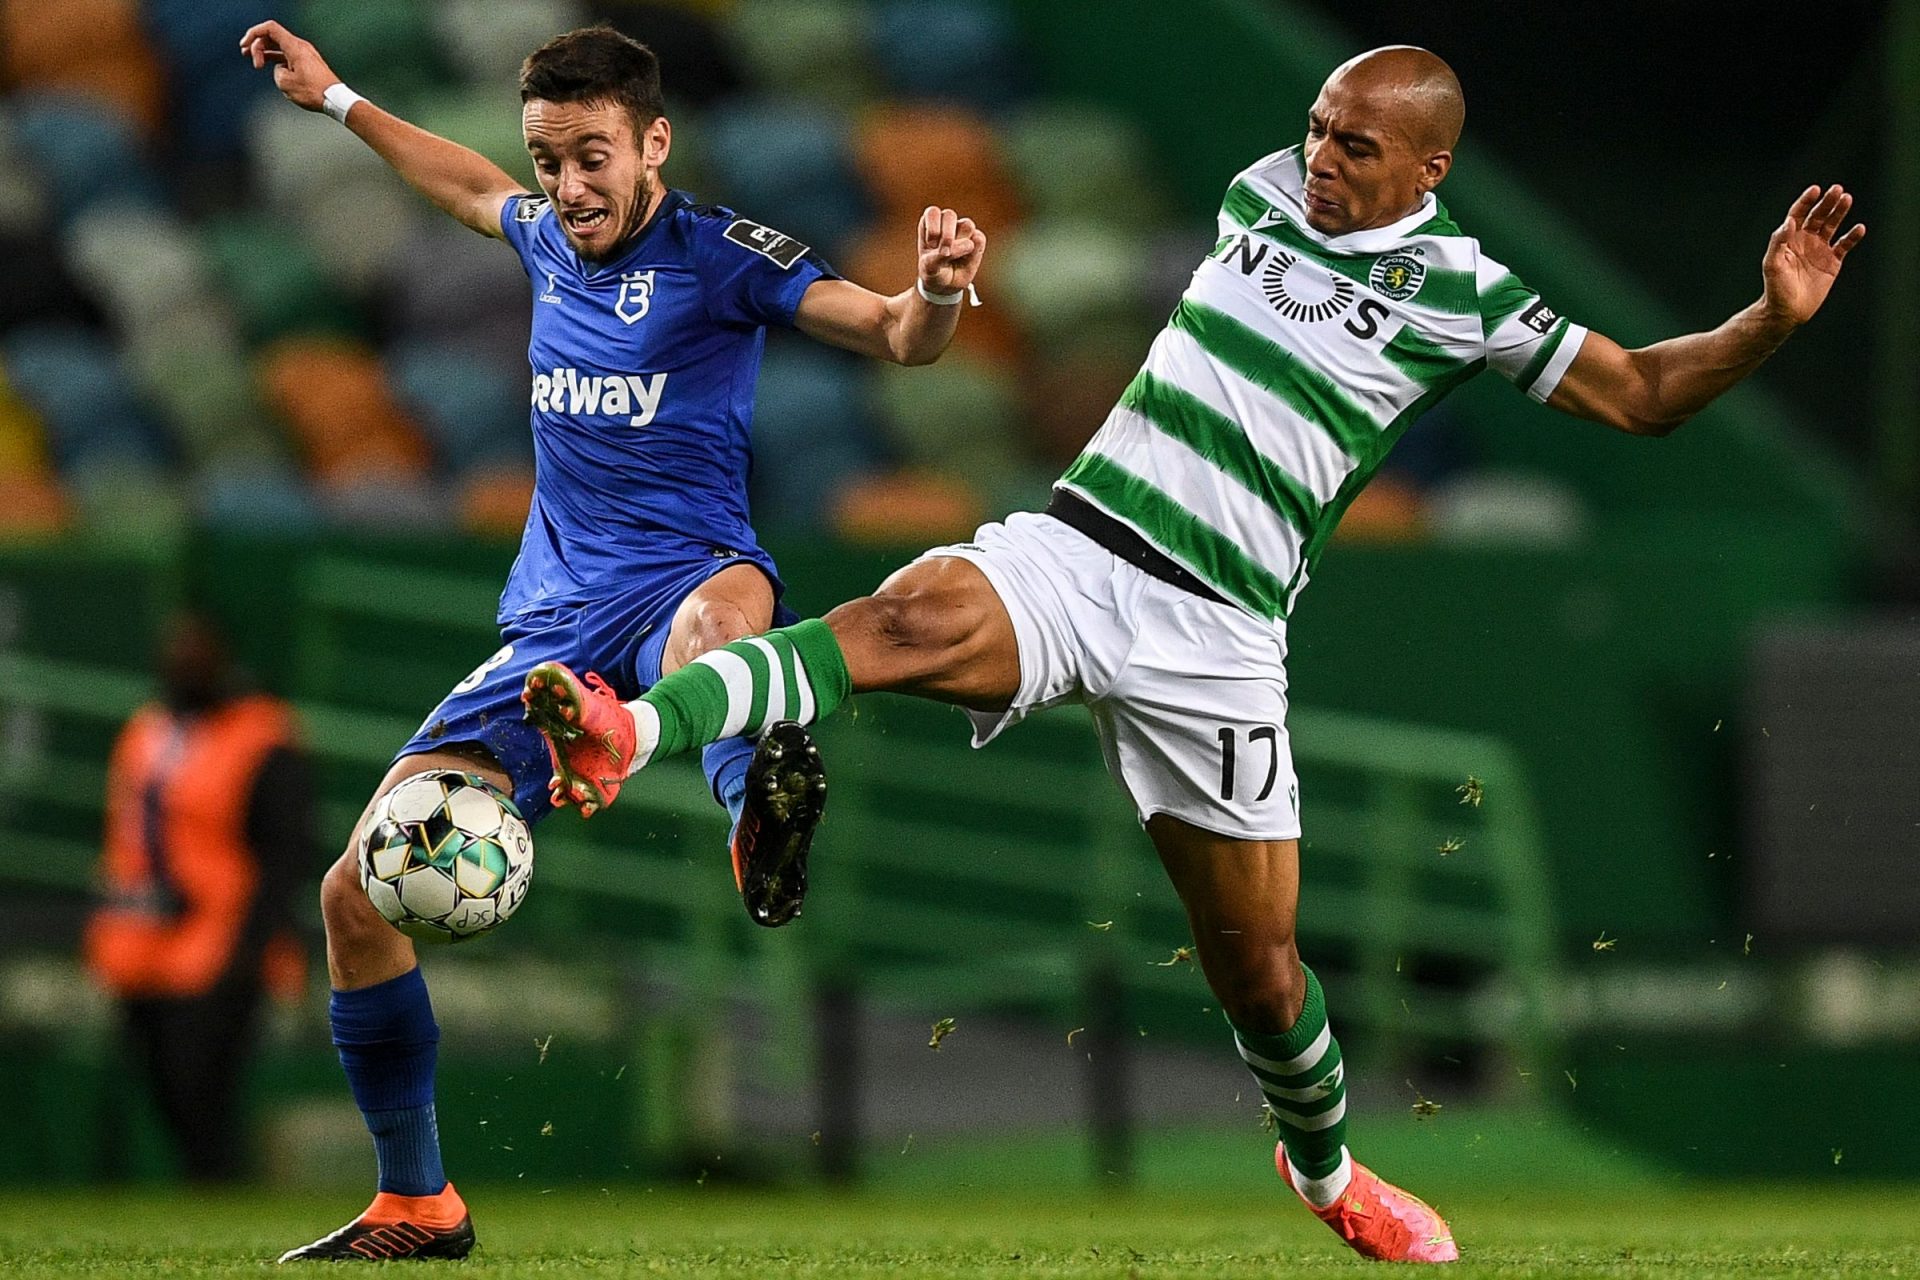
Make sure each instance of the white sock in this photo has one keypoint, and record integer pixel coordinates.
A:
(1321, 1192)
(646, 733)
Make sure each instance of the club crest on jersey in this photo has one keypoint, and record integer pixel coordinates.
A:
(636, 296)
(1304, 291)
(778, 247)
(1397, 276)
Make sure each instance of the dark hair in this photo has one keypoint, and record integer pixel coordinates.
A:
(596, 64)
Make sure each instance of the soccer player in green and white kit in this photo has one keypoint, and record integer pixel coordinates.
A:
(1340, 303)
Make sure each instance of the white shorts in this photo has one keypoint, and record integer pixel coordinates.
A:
(1189, 697)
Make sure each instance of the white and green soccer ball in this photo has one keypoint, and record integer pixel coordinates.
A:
(445, 856)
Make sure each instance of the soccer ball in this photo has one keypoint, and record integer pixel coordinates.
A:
(445, 856)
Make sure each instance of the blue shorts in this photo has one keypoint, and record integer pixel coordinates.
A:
(622, 637)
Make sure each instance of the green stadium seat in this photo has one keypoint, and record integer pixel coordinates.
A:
(194, 371)
(483, 116)
(805, 48)
(486, 41)
(1074, 280)
(132, 508)
(962, 416)
(388, 50)
(357, 229)
(274, 280)
(1075, 161)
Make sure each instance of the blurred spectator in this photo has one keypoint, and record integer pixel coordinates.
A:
(209, 825)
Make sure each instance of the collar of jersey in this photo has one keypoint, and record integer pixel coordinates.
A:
(674, 199)
(1378, 239)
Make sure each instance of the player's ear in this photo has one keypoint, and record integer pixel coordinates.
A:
(656, 141)
(1434, 170)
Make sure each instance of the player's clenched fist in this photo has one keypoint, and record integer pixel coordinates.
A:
(951, 248)
(298, 69)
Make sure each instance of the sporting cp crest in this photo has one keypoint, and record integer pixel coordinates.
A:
(636, 296)
(1397, 276)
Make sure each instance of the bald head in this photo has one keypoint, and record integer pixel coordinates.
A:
(1415, 87)
(1379, 137)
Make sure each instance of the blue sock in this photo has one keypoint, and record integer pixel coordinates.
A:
(389, 1043)
(726, 764)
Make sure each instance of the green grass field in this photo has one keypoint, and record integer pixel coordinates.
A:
(630, 1231)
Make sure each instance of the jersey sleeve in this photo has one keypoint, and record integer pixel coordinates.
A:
(520, 223)
(1528, 342)
(752, 274)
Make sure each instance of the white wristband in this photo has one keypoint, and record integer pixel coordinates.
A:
(939, 299)
(338, 100)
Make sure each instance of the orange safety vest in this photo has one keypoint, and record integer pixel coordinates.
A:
(178, 874)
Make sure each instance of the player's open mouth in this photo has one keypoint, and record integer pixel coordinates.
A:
(586, 221)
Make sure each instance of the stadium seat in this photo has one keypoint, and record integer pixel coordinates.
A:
(1078, 161)
(960, 415)
(493, 501)
(23, 442)
(957, 51)
(486, 41)
(254, 493)
(23, 196)
(804, 48)
(1075, 280)
(85, 151)
(458, 289)
(475, 412)
(387, 501)
(811, 432)
(907, 509)
(484, 117)
(141, 262)
(357, 228)
(194, 372)
(74, 380)
(89, 48)
(1511, 508)
(32, 506)
(788, 164)
(334, 397)
(274, 281)
(127, 506)
(388, 50)
(912, 157)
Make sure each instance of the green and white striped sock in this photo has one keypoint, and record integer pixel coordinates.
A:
(795, 673)
(1305, 1084)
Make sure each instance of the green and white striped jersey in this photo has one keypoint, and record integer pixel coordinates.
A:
(1292, 364)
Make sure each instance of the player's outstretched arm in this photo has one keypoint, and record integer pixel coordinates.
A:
(910, 327)
(464, 183)
(1652, 390)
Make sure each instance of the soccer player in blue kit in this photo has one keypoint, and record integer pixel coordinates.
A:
(649, 317)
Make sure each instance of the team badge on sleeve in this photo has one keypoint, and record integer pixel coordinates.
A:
(530, 208)
(1397, 276)
(776, 246)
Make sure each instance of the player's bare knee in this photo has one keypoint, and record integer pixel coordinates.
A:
(715, 623)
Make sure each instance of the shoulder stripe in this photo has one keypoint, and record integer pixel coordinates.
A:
(1501, 299)
(1290, 379)
(1222, 441)
(1179, 532)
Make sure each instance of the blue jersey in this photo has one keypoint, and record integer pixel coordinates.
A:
(643, 377)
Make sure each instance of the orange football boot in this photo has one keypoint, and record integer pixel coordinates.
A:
(1380, 1220)
(589, 733)
(397, 1227)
